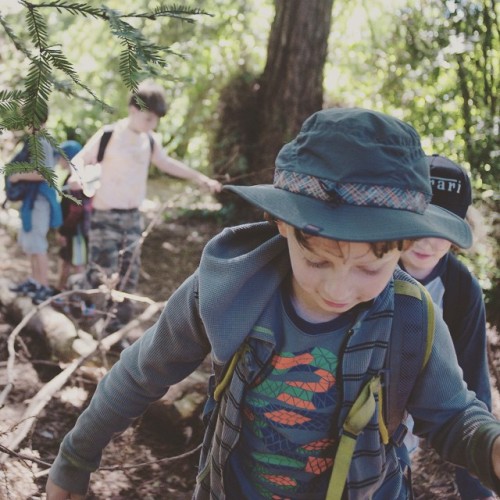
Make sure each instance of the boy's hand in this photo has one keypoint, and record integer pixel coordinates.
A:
(211, 184)
(61, 240)
(495, 457)
(55, 492)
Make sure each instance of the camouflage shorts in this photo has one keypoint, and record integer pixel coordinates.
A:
(114, 249)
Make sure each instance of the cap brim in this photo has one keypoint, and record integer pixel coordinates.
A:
(354, 223)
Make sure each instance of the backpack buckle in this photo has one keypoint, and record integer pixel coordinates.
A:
(399, 434)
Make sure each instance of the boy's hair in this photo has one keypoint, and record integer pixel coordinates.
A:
(152, 96)
(379, 248)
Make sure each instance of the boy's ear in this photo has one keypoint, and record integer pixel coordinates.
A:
(283, 228)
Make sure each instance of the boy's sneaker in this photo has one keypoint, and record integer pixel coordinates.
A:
(43, 293)
(28, 287)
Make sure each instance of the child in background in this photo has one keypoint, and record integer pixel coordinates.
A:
(307, 302)
(73, 233)
(40, 211)
(457, 293)
(119, 190)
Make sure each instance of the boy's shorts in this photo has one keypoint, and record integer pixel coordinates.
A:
(35, 241)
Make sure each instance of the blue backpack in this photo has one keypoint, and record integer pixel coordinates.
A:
(17, 191)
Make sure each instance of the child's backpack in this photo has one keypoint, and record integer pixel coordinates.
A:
(17, 191)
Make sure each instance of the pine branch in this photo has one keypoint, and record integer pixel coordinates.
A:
(18, 44)
(60, 62)
(73, 8)
(180, 12)
(37, 27)
(10, 100)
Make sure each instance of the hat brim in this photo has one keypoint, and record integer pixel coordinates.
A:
(355, 223)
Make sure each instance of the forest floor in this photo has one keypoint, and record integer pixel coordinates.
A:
(170, 253)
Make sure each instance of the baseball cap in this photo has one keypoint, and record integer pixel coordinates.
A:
(451, 186)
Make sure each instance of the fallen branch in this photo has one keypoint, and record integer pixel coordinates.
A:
(40, 400)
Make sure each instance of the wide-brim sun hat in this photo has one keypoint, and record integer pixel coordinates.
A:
(353, 174)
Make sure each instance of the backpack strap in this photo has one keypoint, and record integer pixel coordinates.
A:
(106, 136)
(151, 143)
(357, 419)
(409, 350)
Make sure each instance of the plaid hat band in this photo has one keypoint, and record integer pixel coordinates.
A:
(351, 193)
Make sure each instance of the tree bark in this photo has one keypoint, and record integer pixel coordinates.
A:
(291, 86)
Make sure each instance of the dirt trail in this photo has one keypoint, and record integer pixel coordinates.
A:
(170, 254)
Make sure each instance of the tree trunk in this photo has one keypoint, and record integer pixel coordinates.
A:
(258, 114)
(291, 87)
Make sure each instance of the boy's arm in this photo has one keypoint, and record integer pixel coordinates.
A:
(86, 156)
(496, 459)
(453, 420)
(28, 176)
(178, 169)
(163, 356)
(470, 342)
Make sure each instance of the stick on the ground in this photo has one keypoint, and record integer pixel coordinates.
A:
(40, 400)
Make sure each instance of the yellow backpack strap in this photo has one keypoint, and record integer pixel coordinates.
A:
(228, 375)
(358, 417)
(431, 325)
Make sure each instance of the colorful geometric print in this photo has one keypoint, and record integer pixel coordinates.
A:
(287, 423)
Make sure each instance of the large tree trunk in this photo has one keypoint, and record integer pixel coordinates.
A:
(291, 87)
(258, 114)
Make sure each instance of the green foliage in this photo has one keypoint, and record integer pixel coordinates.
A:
(27, 109)
(435, 64)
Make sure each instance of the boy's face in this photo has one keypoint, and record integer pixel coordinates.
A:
(142, 121)
(332, 277)
(424, 254)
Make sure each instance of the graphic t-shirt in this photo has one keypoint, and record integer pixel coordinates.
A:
(286, 446)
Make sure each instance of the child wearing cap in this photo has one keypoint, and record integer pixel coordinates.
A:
(301, 310)
(457, 293)
(73, 233)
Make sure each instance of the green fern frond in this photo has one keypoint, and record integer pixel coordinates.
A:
(59, 61)
(10, 99)
(37, 90)
(73, 8)
(180, 12)
(13, 121)
(38, 78)
(129, 68)
(18, 44)
(18, 167)
(37, 27)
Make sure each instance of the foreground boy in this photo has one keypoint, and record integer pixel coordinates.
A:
(311, 301)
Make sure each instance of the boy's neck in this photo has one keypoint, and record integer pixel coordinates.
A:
(417, 273)
(130, 126)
